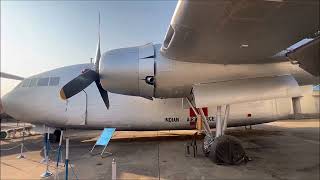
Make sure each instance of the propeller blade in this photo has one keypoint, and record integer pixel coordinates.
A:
(98, 52)
(78, 84)
(103, 93)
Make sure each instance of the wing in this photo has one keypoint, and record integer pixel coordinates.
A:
(307, 56)
(238, 31)
(10, 76)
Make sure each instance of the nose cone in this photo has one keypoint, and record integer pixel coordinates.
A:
(4, 103)
(11, 104)
(1, 107)
(7, 104)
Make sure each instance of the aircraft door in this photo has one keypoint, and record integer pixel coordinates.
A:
(77, 109)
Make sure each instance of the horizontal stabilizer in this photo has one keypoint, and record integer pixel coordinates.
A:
(10, 76)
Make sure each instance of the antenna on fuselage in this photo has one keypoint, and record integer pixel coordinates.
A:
(98, 53)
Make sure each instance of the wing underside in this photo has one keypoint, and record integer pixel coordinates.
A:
(238, 31)
(307, 56)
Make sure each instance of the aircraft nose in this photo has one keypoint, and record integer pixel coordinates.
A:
(1, 107)
(5, 103)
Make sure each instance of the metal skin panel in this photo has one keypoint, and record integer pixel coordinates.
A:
(176, 78)
(146, 68)
(119, 71)
(245, 90)
(76, 109)
(42, 105)
(146, 51)
(123, 71)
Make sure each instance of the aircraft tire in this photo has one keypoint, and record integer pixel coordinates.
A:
(3, 134)
(55, 137)
(227, 150)
(206, 152)
(57, 134)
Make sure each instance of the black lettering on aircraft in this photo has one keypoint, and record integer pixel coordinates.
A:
(172, 119)
(193, 119)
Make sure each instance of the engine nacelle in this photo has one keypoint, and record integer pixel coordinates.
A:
(128, 71)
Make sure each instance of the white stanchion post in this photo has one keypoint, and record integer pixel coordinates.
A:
(47, 145)
(59, 149)
(219, 123)
(114, 169)
(226, 118)
(44, 145)
(22, 144)
(47, 173)
(67, 158)
(59, 155)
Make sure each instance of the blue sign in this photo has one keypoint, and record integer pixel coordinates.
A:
(316, 88)
(105, 136)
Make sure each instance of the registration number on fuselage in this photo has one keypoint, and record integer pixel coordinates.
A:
(172, 119)
(209, 118)
(176, 119)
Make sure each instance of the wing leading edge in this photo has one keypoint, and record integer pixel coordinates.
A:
(10, 76)
(307, 56)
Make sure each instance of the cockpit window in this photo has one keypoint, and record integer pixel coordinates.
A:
(54, 81)
(43, 82)
(25, 83)
(33, 82)
(51, 81)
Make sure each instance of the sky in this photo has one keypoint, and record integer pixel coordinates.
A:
(37, 36)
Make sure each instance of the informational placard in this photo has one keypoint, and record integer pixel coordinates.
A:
(105, 136)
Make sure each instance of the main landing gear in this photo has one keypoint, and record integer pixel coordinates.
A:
(53, 137)
(221, 148)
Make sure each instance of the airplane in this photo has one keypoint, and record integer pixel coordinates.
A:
(222, 64)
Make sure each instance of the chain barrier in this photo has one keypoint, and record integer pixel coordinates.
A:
(11, 148)
(50, 150)
(73, 172)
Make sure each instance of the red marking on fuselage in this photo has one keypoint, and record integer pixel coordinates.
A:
(192, 114)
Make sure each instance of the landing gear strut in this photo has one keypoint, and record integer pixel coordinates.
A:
(221, 149)
(208, 139)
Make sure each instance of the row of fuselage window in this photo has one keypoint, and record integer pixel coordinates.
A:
(47, 81)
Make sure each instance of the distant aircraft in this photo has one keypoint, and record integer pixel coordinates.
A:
(217, 58)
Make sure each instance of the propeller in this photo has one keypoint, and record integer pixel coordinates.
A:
(87, 77)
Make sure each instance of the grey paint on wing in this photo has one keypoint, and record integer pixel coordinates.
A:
(10, 76)
(238, 32)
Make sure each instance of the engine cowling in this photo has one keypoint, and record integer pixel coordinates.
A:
(129, 71)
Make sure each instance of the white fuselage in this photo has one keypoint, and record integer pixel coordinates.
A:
(86, 110)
